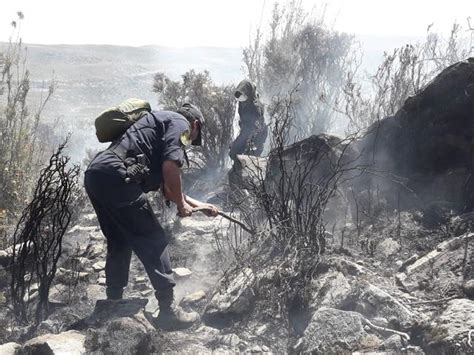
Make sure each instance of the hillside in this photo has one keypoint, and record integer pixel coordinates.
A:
(90, 78)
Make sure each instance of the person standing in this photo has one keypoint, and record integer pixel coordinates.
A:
(253, 130)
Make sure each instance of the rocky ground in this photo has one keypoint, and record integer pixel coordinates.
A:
(401, 296)
(396, 277)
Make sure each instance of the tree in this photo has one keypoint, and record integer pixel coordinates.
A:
(217, 105)
(20, 153)
(402, 73)
(300, 52)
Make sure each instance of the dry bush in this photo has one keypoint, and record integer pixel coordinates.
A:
(300, 52)
(217, 105)
(286, 211)
(403, 73)
(38, 237)
(21, 145)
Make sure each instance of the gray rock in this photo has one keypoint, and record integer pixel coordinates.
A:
(147, 293)
(395, 342)
(408, 262)
(347, 267)
(374, 302)
(332, 331)
(469, 289)
(449, 330)
(78, 228)
(96, 236)
(4, 257)
(124, 335)
(67, 276)
(141, 286)
(9, 348)
(105, 310)
(182, 272)
(119, 324)
(322, 152)
(399, 264)
(102, 281)
(95, 250)
(246, 170)
(70, 342)
(237, 298)
(446, 257)
(230, 340)
(331, 290)
(418, 152)
(89, 218)
(82, 262)
(140, 279)
(95, 292)
(193, 298)
(388, 247)
(261, 330)
(187, 229)
(207, 332)
(58, 293)
(98, 266)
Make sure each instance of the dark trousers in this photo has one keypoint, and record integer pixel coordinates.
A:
(129, 224)
(248, 142)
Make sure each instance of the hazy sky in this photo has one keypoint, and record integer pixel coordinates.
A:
(222, 23)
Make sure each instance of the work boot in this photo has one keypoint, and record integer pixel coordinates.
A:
(172, 316)
(114, 293)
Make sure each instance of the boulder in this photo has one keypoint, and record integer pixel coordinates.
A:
(425, 149)
(119, 324)
(71, 342)
(331, 290)
(125, 336)
(394, 342)
(317, 153)
(107, 310)
(231, 301)
(469, 288)
(373, 302)
(448, 259)
(309, 164)
(449, 331)
(332, 331)
(10, 348)
(247, 171)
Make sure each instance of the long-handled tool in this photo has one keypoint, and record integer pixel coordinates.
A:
(226, 216)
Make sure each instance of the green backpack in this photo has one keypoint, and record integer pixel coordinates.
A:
(113, 122)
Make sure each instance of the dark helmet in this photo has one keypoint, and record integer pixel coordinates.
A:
(191, 112)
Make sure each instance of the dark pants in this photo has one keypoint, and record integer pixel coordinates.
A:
(129, 224)
(248, 142)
